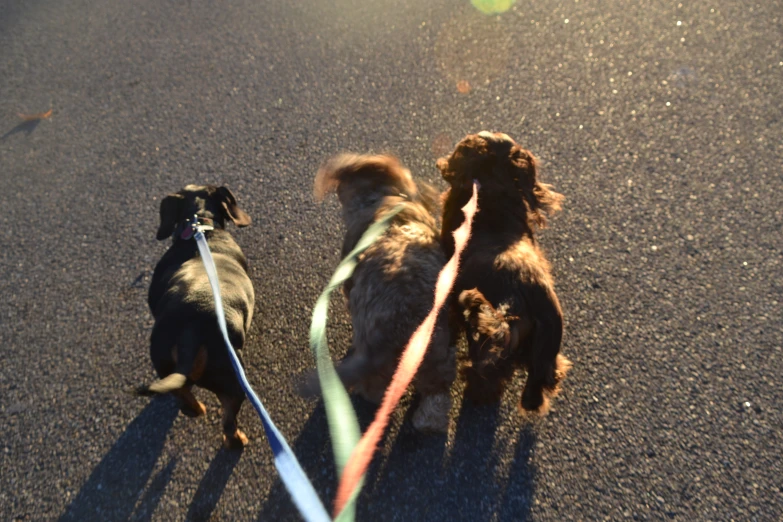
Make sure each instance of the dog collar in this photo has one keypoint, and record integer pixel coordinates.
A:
(190, 227)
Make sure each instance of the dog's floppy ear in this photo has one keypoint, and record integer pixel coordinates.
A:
(231, 208)
(169, 214)
(541, 200)
(443, 167)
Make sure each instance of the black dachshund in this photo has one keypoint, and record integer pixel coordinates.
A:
(187, 347)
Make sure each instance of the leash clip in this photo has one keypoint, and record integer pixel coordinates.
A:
(192, 227)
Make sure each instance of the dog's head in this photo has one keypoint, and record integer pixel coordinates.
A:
(362, 180)
(503, 169)
(208, 201)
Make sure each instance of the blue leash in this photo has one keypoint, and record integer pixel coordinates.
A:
(294, 478)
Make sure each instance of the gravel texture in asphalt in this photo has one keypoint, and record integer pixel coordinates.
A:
(660, 122)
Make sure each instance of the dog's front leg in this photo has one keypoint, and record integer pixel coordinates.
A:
(233, 438)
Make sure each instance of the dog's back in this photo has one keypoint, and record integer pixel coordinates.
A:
(392, 288)
(180, 289)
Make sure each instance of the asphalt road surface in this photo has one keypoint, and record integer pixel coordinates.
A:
(660, 122)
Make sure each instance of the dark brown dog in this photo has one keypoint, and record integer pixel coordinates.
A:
(392, 288)
(505, 296)
(187, 347)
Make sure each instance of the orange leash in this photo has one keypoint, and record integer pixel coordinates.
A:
(409, 363)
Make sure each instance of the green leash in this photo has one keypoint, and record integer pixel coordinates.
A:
(343, 424)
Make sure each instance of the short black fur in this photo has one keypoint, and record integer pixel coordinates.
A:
(186, 346)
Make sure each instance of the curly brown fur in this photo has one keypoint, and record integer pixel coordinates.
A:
(391, 290)
(504, 296)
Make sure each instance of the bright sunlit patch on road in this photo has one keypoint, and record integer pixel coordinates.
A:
(473, 50)
(492, 6)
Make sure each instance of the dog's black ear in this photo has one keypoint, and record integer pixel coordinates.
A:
(170, 209)
(231, 208)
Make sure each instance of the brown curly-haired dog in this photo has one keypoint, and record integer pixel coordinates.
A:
(392, 288)
(504, 295)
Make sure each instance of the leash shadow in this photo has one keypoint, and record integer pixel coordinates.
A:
(313, 449)
(212, 484)
(422, 479)
(27, 127)
(119, 481)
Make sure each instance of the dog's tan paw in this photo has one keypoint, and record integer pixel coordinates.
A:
(238, 441)
(195, 410)
(201, 410)
(432, 415)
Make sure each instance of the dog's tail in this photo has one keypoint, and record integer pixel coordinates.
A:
(188, 351)
(175, 381)
(498, 333)
(351, 370)
(370, 171)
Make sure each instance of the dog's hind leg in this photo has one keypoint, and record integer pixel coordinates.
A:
(162, 343)
(545, 367)
(433, 381)
(178, 366)
(190, 360)
(233, 438)
(188, 404)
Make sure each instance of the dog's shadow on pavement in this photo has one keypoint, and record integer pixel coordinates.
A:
(27, 126)
(212, 484)
(420, 478)
(120, 481)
